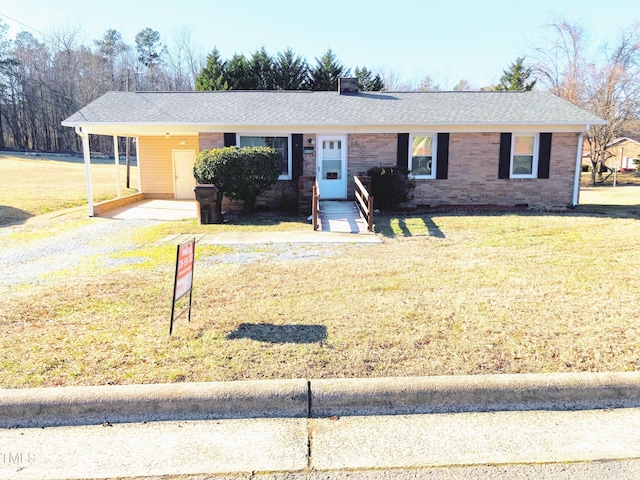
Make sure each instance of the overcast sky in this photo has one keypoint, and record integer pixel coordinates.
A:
(447, 40)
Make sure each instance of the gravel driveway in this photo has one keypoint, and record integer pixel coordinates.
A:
(31, 261)
(27, 262)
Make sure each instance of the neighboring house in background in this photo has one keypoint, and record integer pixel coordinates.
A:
(621, 154)
(462, 148)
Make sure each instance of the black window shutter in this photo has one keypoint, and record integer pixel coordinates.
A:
(442, 156)
(403, 151)
(544, 155)
(505, 155)
(296, 156)
(229, 139)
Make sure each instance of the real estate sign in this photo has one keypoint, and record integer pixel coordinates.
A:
(184, 269)
(184, 276)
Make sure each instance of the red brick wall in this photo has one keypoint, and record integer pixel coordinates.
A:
(211, 140)
(282, 196)
(369, 150)
(309, 159)
(473, 171)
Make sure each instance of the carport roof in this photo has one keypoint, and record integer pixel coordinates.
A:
(307, 108)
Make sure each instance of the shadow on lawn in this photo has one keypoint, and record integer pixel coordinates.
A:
(393, 226)
(383, 225)
(270, 333)
(12, 215)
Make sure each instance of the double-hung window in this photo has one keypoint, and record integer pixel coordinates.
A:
(282, 145)
(524, 156)
(422, 155)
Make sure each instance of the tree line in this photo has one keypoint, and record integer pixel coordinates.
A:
(284, 71)
(44, 80)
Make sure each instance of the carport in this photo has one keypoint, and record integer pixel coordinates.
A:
(155, 209)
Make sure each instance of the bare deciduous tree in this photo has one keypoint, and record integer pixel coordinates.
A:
(393, 82)
(559, 62)
(608, 85)
(191, 60)
(462, 86)
(429, 85)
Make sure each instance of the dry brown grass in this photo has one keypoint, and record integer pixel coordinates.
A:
(35, 185)
(621, 178)
(628, 195)
(444, 294)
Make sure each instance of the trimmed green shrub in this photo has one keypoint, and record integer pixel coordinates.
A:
(637, 162)
(390, 187)
(241, 173)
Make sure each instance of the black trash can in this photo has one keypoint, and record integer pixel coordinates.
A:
(209, 200)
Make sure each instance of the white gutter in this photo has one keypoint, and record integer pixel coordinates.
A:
(87, 164)
(576, 181)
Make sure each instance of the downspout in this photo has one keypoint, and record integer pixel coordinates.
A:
(576, 181)
(87, 164)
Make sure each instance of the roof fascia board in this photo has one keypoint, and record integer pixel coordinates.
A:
(195, 129)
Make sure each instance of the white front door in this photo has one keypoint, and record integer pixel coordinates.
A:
(184, 181)
(331, 166)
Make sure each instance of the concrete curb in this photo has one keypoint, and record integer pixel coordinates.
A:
(474, 393)
(300, 398)
(44, 407)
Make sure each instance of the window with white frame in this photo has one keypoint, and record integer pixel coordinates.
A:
(524, 156)
(279, 144)
(422, 156)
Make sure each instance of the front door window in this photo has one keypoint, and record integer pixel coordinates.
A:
(332, 166)
(331, 159)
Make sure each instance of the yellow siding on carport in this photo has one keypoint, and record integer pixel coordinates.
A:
(155, 163)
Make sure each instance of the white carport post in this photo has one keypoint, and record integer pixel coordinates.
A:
(87, 166)
(116, 156)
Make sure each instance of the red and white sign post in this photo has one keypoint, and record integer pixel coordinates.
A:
(183, 282)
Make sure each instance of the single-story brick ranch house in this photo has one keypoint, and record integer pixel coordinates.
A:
(462, 148)
(622, 152)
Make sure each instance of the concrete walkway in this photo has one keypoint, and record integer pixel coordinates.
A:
(322, 425)
(246, 238)
(341, 216)
(340, 223)
(298, 444)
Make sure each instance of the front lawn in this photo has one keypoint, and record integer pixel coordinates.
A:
(444, 294)
(32, 185)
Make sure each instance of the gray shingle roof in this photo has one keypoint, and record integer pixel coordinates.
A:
(284, 108)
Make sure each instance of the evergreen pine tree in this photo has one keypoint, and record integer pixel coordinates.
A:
(290, 71)
(324, 76)
(262, 72)
(515, 77)
(238, 74)
(212, 75)
(367, 82)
